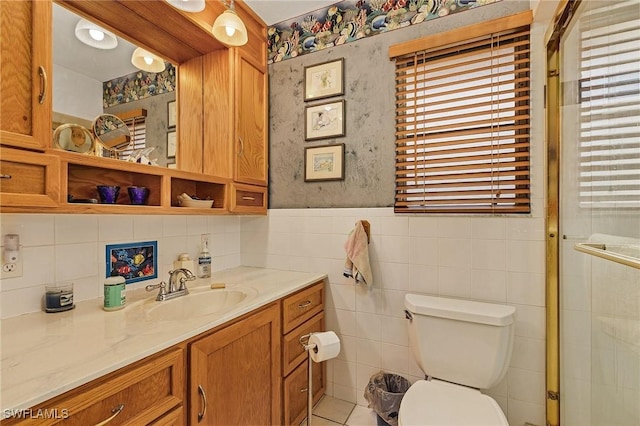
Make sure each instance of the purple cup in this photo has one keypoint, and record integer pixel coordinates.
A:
(138, 194)
(108, 193)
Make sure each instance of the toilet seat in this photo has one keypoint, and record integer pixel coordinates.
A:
(441, 403)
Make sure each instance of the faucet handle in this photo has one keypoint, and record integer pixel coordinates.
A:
(162, 286)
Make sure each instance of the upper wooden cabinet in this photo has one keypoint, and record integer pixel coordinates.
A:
(25, 73)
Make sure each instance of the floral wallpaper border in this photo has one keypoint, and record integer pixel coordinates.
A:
(351, 20)
(138, 85)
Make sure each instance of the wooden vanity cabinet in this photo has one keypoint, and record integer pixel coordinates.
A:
(151, 391)
(302, 313)
(235, 373)
(29, 179)
(25, 74)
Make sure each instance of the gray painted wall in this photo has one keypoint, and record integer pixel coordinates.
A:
(369, 95)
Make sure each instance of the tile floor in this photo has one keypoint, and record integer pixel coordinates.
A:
(333, 412)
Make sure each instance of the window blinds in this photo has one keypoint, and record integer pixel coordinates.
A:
(462, 126)
(609, 97)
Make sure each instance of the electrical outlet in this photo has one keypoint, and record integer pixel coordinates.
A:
(12, 270)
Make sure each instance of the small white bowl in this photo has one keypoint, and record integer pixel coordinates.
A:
(201, 204)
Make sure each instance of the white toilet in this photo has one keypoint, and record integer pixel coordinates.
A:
(461, 346)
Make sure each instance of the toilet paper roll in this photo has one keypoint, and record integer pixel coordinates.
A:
(327, 346)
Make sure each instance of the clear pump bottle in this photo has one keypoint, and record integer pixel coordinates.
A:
(204, 258)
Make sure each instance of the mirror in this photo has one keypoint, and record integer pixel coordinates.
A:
(73, 138)
(90, 82)
(112, 133)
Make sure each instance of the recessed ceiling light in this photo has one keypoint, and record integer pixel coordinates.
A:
(95, 36)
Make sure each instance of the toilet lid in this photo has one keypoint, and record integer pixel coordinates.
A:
(445, 404)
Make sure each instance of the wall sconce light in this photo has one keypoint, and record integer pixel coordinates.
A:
(188, 5)
(95, 36)
(147, 61)
(229, 28)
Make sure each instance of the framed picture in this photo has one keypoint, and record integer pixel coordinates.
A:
(324, 121)
(171, 144)
(324, 80)
(324, 163)
(133, 261)
(171, 114)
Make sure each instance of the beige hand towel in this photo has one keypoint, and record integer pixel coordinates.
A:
(357, 264)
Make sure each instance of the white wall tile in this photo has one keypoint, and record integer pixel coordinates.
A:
(38, 267)
(528, 354)
(525, 256)
(76, 261)
(147, 227)
(423, 251)
(454, 282)
(526, 386)
(454, 252)
(454, 227)
(369, 352)
(423, 279)
(489, 285)
(115, 228)
(488, 228)
(526, 288)
(488, 254)
(70, 229)
(34, 229)
(174, 226)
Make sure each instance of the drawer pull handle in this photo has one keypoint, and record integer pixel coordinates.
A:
(117, 410)
(246, 198)
(43, 84)
(304, 304)
(203, 396)
(5, 176)
(241, 152)
(304, 390)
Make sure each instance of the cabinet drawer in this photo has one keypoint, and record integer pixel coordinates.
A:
(301, 306)
(248, 199)
(29, 179)
(138, 395)
(293, 352)
(295, 392)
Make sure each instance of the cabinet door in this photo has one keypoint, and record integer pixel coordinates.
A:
(251, 120)
(296, 391)
(235, 373)
(25, 80)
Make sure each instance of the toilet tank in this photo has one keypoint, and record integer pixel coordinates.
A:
(460, 341)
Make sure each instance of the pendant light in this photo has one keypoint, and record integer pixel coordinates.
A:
(147, 61)
(95, 36)
(229, 28)
(188, 5)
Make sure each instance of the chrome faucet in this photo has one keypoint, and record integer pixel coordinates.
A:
(177, 287)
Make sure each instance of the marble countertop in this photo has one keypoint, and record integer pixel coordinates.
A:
(45, 355)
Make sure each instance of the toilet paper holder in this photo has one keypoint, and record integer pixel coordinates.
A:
(304, 341)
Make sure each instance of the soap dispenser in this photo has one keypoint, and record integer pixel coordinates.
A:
(204, 258)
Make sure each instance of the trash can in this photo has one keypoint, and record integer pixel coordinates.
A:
(384, 394)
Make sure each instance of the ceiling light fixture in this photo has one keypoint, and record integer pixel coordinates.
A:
(147, 61)
(95, 36)
(188, 5)
(229, 28)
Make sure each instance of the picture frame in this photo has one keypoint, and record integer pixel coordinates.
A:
(132, 261)
(325, 120)
(324, 80)
(171, 144)
(324, 163)
(172, 117)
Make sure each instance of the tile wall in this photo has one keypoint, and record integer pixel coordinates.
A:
(59, 248)
(484, 258)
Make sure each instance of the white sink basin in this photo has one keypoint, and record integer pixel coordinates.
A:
(197, 303)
